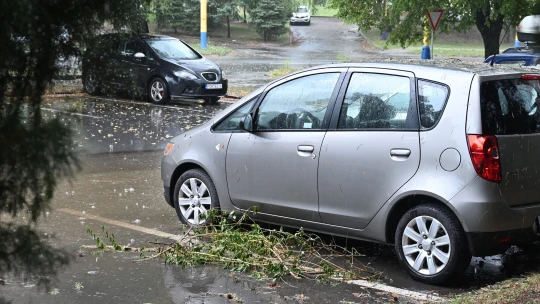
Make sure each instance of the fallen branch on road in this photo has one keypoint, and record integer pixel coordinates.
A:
(244, 246)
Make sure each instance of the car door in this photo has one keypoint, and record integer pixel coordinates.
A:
(134, 69)
(372, 147)
(275, 166)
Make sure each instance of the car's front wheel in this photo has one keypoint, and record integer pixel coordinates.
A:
(195, 195)
(90, 83)
(431, 244)
(158, 91)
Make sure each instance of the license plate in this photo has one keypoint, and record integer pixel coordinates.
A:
(213, 86)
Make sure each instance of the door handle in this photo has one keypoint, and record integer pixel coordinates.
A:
(400, 154)
(306, 149)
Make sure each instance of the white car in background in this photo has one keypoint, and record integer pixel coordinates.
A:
(301, 16)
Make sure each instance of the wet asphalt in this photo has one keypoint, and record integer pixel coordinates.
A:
(120, 144)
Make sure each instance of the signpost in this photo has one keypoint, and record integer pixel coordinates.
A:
(203, 23)
(434, 17)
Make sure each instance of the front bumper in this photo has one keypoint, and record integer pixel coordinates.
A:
(196, 89)
(300, 20)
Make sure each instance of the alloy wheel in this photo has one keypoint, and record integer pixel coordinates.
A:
(194, 201)
(426, 245)
(157, 91)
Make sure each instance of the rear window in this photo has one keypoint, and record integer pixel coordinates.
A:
(510, 106)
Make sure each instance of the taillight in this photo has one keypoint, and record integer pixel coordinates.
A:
(484, 152)
(530, 76)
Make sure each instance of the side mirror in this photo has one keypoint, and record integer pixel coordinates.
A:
(139, 55)
(246, 123)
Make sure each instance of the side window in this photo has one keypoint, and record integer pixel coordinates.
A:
(377, 101)
(232, 122)
(431, 100)
(299, 104)
(132, 47)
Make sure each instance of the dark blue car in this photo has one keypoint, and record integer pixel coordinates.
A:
(515, 58)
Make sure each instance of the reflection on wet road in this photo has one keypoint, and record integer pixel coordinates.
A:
(115, 125)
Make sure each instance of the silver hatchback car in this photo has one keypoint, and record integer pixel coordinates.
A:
(442, 162)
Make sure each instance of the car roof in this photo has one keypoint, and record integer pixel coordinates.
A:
(141, 36)
(449, 65)
(516, 56)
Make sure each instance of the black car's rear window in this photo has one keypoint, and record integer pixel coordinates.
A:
(510, 106)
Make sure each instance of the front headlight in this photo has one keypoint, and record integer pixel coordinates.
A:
(222, 74)
(185, 75)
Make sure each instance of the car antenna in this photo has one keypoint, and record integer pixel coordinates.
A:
(500, 43)
(492, 60)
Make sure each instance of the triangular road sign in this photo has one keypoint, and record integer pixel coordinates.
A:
(434, 18)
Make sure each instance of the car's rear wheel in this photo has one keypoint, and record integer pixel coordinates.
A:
(431, 244)
(90, 83)
(158, 91)
(211, 100)
(195, 195)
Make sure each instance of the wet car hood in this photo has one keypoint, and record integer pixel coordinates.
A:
(196, 66)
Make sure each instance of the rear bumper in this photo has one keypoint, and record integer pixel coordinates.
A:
(490, 243)
(490, 224)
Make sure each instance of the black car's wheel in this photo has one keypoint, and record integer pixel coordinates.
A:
(431, 244)
(211, 100)
(91, 83)
(158, 91)
(194, 195)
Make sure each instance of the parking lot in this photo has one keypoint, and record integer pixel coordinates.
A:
(120, 143)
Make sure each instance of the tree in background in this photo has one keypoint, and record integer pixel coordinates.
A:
(408, 17)
(181, 15)
(36, 151)
(225, 10)
(269, 18)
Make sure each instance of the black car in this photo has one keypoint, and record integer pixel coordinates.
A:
(159, 67)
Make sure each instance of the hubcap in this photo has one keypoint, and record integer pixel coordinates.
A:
(157, 91)
(194, 201)
(426, 245)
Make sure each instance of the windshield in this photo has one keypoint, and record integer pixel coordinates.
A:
(172, 49)
(302, 10)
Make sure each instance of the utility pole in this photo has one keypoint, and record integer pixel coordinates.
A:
(203, 23)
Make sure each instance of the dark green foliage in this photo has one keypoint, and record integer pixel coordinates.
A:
(269, 18)
(224, 11)
(408, 18)
(36, 151)
(183, 15)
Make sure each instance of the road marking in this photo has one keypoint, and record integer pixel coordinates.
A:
(397, 291)
(122, 224)
(72, 113)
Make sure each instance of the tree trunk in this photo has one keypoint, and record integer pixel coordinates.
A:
(228, 27)
(491, 33)
(245, 18)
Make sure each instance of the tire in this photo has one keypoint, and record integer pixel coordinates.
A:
(91, 83)
(446, 261)
(199, 203)
(211, 100)
(158, 91)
